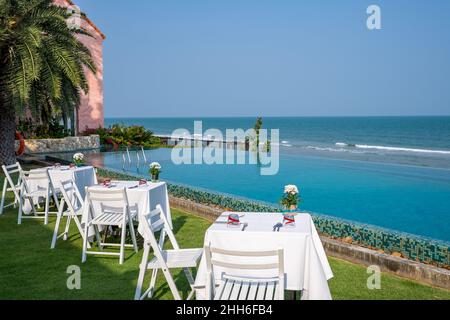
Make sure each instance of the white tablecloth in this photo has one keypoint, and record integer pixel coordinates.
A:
(306, 265)
(83, 177)
(146, 197)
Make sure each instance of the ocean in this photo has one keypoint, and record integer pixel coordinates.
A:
(392, 172)
(421, 141)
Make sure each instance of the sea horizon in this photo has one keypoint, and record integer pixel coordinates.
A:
(263, 116)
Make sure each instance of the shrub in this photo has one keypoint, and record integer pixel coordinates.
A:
(119, 135)
(52, 130)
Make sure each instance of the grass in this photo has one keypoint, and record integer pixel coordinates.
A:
(30, 270)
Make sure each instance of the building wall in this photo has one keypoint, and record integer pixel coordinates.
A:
(90, 113)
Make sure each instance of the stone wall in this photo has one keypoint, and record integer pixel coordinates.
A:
(34, 146)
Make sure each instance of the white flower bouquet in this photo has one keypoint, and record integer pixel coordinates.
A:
(291, 197)
(78, 158)
(155, 170)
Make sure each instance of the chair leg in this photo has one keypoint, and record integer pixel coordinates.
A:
(66, 230)
(55, 199)
(55, 232)
(97, 236)
(85, 240)
(19, 217)
(33, 208)
(152, 282)
(47, 208)
(171, 284)
(80, 229)
(122, 242)
(190, 279)
(2, 203)
(133, 235)
(142, 270)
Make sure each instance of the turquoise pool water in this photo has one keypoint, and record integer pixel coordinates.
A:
(405, 198)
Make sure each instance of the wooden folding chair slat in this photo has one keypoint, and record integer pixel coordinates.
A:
(157, 225)
(108, 218)
(253, 291)
(236, 290)
(279, 292)
(227, 290)
(270, 290)
(261, 291)
(219, 292)
(244, 291)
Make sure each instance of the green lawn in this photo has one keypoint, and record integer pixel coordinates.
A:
(30, 270)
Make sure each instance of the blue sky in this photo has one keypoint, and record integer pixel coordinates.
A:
(273, 58)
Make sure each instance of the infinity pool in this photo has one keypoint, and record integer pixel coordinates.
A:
(404, 198)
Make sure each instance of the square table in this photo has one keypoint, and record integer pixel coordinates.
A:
(83, 176)
(305, 263)
(146, 197)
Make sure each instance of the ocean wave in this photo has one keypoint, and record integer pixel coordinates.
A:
(332, 149)
(395, 149)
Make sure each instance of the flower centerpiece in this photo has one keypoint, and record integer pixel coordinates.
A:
(290, 198)
(155, 170)
(78, 159)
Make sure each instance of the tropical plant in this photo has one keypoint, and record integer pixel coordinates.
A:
(257, 128)
(53, 129)
(41, 66)
(121, 135)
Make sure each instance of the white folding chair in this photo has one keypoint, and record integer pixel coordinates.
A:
(54, 190)
(71, 198)
(244, 288)
(41, 191)
(119, 215)
(14, 187)
(163, 259)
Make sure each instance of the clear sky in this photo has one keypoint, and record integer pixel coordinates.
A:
(273, 57)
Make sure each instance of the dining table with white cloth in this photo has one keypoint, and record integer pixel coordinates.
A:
(83, 176)
(305, 263)
(146, 197)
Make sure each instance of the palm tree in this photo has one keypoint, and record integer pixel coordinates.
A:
(257, 128)
(41, 65)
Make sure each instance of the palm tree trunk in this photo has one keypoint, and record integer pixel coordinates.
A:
(7, 133)
(72, 125)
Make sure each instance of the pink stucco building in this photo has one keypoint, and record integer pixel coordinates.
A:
(90, 114)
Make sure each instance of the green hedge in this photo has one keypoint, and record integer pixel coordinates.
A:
(410, 246)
